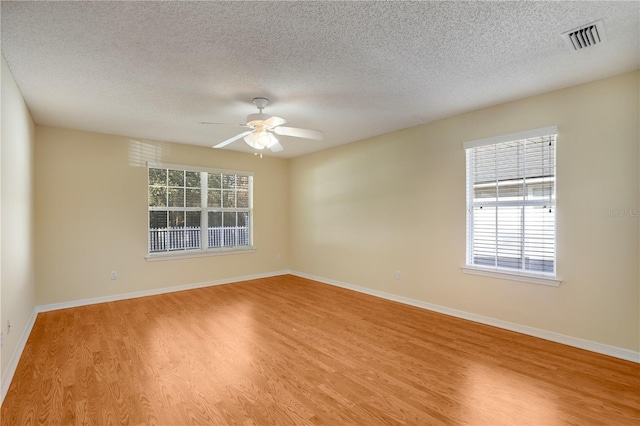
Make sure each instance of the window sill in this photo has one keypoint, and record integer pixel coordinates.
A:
(196, 253)
(546, 279)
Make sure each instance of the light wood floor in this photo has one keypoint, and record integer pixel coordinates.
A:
(286, 350)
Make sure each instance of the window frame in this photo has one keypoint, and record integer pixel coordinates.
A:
(204, 210)
(514, 274)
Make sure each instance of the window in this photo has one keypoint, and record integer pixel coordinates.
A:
(184, 201)
(511, 203)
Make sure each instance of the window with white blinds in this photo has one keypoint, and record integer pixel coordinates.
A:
(195, 209)
(511, 203)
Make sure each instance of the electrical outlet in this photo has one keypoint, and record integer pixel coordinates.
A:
(398, 275)
(278, 257)
(113, 275)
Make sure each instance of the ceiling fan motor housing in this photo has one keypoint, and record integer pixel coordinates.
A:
(251, 118)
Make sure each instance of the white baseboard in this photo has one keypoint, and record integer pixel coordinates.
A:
(600, 348)
(15, 358)
(153, 292)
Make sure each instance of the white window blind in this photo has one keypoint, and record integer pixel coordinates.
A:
(197, 209)
(511, 202)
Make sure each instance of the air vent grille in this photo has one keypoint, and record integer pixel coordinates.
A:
(584, 36)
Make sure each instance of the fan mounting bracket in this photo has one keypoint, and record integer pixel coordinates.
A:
(261, 103)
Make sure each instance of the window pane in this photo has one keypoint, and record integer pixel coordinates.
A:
(484, 236)
(243, 219)
(540, 157)
(216, 232)
(176, 197)
(157, 231)
(192, 231)
(215, 219)
(485, 191)
(157, 176)
(539, 241)
(242, 236)
(215, 198)
(214, 180)
(193, 219)
(242, 182)
(498, 236)
(484, 164)
(509, 161)
(229, 219)
(176, 219)
(158, 219)
(511, 190)
(157, 197)
(230, 238)
(193, 197)
(228, 199)
(176, 178)
(541, 190)
(192, 179)
(229, 181)
(509, 242)
(243, 199)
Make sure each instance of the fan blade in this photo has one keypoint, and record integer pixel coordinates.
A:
(299, 133)
(276, 147)
(274, 121)
(233, 139)
(222, 124)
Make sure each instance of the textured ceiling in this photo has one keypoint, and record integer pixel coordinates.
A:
(153, 70)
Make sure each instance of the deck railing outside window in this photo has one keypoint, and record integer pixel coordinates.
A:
(168, 239)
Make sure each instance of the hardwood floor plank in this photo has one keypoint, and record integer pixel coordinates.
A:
(286, 350)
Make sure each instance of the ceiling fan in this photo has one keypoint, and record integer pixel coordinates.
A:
(262, 128)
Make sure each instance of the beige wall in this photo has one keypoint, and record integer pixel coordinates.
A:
(361, 211)
(17, 249)
(91, 200)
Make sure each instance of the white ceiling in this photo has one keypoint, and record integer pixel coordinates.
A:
(351, 69)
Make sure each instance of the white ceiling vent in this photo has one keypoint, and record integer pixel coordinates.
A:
(585, 36)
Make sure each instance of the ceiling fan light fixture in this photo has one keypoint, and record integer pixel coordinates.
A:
(252, 140)
(271, 139)
(263, 139)
(260, 139)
